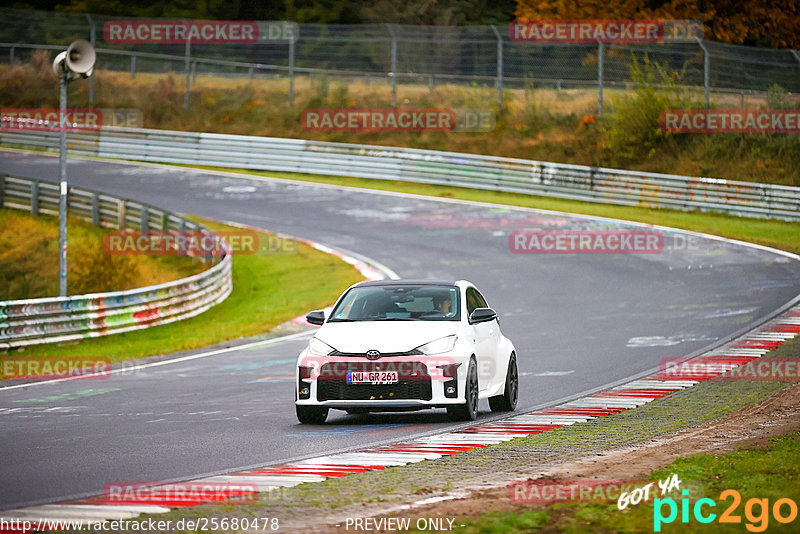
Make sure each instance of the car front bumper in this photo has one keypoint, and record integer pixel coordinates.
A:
(423, 382)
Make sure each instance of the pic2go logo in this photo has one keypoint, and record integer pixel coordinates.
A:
(756, 511)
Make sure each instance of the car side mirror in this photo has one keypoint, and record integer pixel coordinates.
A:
(316, 317)
(482, 315)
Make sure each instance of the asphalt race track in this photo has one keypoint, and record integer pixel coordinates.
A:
(579, 322)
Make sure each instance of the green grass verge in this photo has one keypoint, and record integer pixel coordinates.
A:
(773, 233)
(268, 289)
(759, 474)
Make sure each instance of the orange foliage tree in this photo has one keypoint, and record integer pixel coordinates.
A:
(768, 23)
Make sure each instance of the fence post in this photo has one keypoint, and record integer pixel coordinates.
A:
(188, 67)
(122, 214)
(92, 38)
(2, 189)
(291, 70)
(599, 78)
(133, 67)
(499, 82)
(393, 74)
(95, 209)
(144, 221)
(706, 70)
(11, 55)
(794, 53)
(34, 198)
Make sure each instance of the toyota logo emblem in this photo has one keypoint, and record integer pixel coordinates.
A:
(373, 354)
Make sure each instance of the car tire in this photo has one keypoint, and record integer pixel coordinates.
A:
(311, 415)
(507, 402)
(468, 411)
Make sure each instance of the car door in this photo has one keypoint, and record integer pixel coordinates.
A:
(485, 335)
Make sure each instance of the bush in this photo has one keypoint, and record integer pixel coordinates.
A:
(633, 131)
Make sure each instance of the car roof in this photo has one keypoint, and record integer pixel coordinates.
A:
(408, 282)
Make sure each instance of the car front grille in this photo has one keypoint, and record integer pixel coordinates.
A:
(414, 383)
(404, 389)
(412, 352)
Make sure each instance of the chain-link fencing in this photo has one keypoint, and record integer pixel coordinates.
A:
(391, 54)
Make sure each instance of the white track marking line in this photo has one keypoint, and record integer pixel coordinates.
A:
(168, 362)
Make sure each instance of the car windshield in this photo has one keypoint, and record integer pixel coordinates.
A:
(398, 303)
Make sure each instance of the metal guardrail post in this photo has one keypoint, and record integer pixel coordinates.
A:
(122, 214)
(133, 67)
(2, 189)
(706, 71)
(92, 38)
(795, 54)
(35, 197)
(599, 78)
(393, 73)
(182, 231)
(11, 54)
(499, 82)
(95, 209)
(144, 223)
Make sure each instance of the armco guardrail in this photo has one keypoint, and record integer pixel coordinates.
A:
(49, 320)
(576, 182)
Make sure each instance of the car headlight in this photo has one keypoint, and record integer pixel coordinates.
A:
(319, 348)
(438, 346)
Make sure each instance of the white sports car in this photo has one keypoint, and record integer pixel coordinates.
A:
(402, 345)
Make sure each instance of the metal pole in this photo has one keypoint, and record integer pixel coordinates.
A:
(133, 67)
(393, 74)
(599, 79)
(92, 37)
(291, 71)
(188, 74)
(706, 70)
(62, 199)
(499, 68)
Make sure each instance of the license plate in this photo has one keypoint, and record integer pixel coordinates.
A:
(372, 377)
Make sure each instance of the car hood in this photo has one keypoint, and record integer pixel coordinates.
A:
(384, 336)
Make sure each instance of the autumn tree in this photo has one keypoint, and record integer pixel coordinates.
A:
(769, 23)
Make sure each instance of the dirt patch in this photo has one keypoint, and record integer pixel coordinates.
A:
(751, 427)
